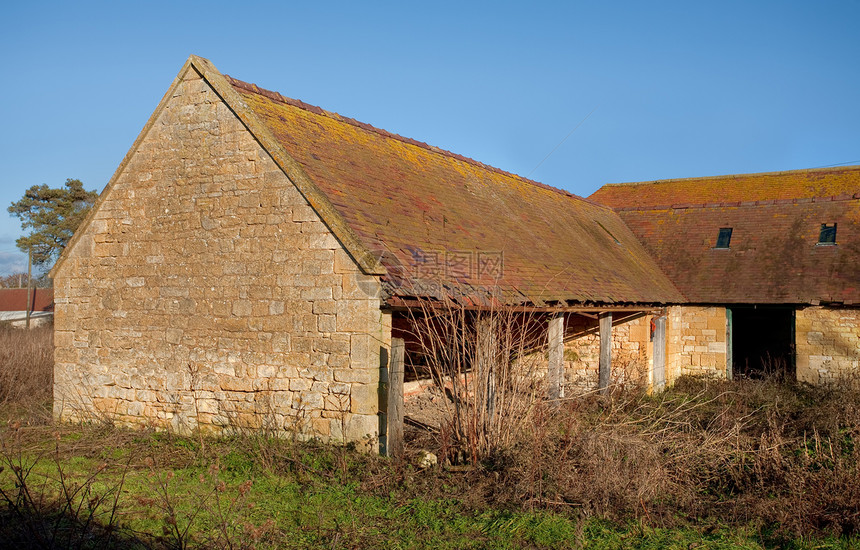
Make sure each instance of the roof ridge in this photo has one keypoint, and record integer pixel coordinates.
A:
(724, 204)
(853, 167)
(275, 96)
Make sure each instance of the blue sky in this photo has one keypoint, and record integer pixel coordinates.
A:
(675, 89)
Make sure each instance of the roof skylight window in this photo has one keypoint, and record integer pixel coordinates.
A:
(724, 238)
(827, 234)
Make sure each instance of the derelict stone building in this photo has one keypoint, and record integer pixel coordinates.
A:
(253, 255)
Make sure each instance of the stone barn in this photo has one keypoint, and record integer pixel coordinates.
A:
(253, 257)
(247, 263)
(769, 266)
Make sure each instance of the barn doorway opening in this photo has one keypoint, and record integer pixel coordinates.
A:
(762, 341)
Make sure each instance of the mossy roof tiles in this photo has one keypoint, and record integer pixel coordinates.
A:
(776, 218)
(443, 224)
(788, 186)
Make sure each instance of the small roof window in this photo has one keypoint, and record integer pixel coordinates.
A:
(827, 234)
(724, 237)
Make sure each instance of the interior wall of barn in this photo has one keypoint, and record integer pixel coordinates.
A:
(632, 351)
(696, 342)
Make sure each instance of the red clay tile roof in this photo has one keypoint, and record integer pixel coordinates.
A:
(774, 256)
(441, 223)
(767, 186)
(15, 299)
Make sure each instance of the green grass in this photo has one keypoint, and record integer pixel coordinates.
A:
(165, 491)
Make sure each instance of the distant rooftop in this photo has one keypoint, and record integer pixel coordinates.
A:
(817, 184)
(751, 238)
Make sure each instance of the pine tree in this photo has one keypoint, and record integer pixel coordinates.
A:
(53, 215)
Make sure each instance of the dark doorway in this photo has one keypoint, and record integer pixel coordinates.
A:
(762, 340)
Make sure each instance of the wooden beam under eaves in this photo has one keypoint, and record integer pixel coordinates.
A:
(400, 304)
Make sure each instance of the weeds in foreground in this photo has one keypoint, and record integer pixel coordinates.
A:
(604, 473)
(26, 366)
(714, 463)
(60, 510)
(780, 456)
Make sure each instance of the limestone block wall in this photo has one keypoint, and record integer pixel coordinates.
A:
(695, 342)
(827, 344)
(207, 292)
(631, 351)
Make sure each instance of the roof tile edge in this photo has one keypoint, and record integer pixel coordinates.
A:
(852, 167)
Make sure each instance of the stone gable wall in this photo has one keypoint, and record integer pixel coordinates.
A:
(207, 292)
(828, 344)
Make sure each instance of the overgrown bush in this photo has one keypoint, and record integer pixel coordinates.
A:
(779, 455)
(486, 362)
(26, 366)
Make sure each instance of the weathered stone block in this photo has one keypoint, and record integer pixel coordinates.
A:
(360, 376)
(363, 427)
(360, 287)
(365, 398)
(355, 315)
(308, 401)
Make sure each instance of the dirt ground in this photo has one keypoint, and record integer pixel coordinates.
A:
(424, 404)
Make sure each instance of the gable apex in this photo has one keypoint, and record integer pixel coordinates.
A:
(317, 199)
(81, 230)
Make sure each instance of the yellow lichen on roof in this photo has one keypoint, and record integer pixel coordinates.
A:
(411, 204)
(788, 185)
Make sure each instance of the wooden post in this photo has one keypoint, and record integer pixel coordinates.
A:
(729, 359)
(605, 365)
(659, 353)
(485, 333)
(555, 369)
(394, 426)
(29, 281)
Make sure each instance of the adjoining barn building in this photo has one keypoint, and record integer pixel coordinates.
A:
(772, 259)
(252, 257)
(16, 304)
